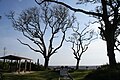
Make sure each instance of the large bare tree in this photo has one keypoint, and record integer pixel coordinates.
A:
(43, 26)
(80, 41)
(106, 10)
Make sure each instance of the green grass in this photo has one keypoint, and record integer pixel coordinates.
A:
(79, 75)
(43, 75)
(38, 75)
(105, 72)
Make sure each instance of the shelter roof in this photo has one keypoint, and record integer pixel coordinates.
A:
(13, 57)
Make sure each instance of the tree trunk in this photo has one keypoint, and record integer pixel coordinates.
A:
(110, 52)
(110, 46)
(77, 65)
(46, 62)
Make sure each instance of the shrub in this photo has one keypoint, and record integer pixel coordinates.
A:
(105, 72)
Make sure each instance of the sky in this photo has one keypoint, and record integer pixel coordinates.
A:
(95, 55)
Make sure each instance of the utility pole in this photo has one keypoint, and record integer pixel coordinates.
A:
(4, 56)
(4, 51)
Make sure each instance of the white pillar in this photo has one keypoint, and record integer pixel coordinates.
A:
(19, 68)
(25, 66)
(30, 66)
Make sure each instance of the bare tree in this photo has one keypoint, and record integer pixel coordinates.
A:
(37, 23)
(116, 35)
(80, 41)
(109, 12)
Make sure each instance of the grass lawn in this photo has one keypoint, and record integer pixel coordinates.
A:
(43, 75)
(79, 75)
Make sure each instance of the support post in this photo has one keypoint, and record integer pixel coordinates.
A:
(3, 64)
(11, 65)
(19, 68)
(30, 66)
(25, 66)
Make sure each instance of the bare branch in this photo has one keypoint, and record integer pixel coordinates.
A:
(54, 51)
(29, 46)
(116, 48)
(71, 8)
(117, 45)
(80, 41)
(38, 43)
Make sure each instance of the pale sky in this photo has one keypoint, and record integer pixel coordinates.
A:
(95, 55)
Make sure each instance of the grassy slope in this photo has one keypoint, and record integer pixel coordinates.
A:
(38, 75)
(44, 75)
(105, 73)
(79, 75)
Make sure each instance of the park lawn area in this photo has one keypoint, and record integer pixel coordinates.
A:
(80, 74)
(43, 75)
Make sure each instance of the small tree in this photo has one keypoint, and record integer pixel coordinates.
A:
(36, 24)
(80, 41)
